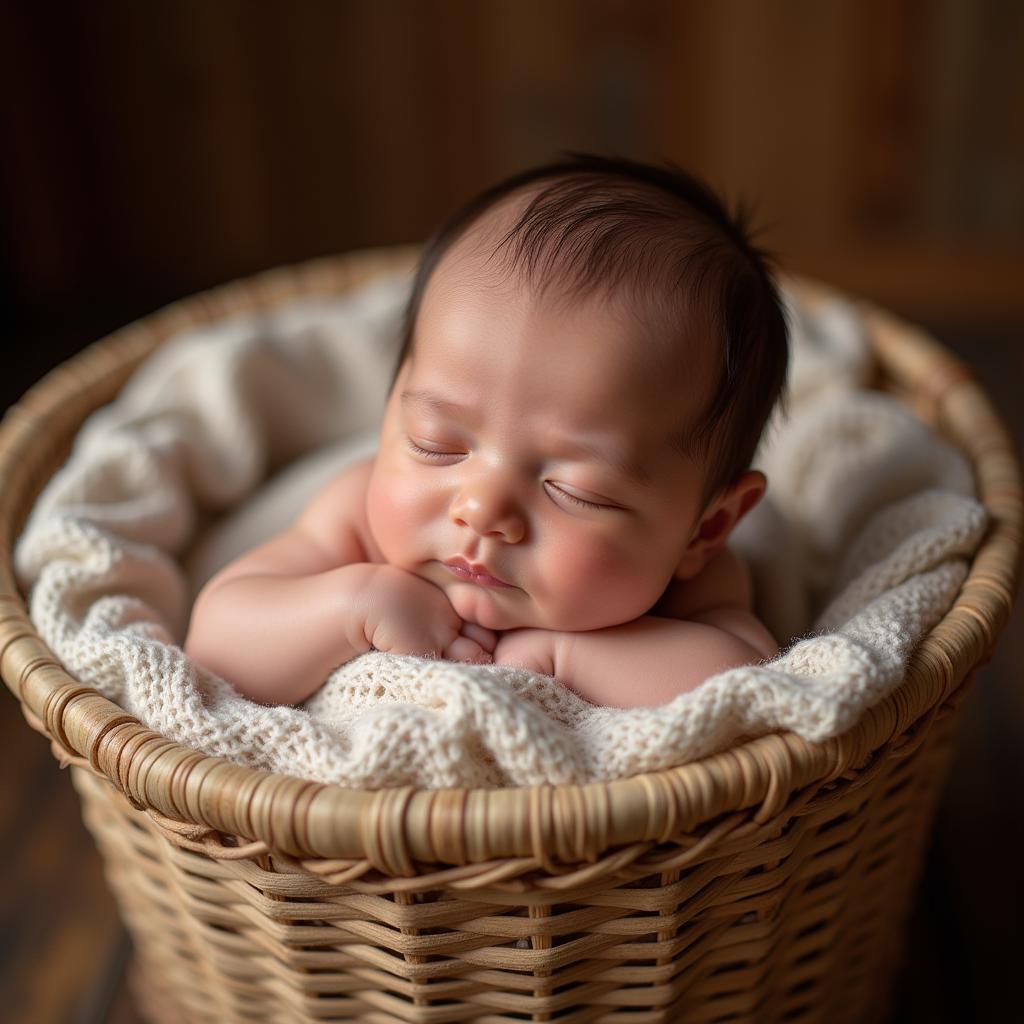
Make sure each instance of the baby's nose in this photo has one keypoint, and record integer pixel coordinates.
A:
(489, 511)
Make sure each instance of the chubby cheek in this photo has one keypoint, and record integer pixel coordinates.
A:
(599, 583)
(400, 511)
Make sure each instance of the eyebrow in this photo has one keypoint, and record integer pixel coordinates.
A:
(618, 462)
(614, 460)
(428, 398)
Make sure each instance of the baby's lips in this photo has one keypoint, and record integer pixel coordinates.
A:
(476, 572)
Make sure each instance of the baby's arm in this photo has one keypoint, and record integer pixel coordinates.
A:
(642, 663)
(694, 632)
(275, 622)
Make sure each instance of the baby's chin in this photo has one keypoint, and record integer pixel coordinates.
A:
(489, 607)
(502, 610)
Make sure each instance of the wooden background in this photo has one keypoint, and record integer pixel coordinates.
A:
(153, 149)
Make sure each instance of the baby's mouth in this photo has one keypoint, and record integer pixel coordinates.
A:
(472, 572)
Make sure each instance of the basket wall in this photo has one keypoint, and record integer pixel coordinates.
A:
(801, 919)
(770, 882)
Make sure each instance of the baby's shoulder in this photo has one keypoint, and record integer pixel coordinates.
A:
(721, 595)
(340, 506)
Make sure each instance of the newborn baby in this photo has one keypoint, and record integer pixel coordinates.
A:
(592, 349)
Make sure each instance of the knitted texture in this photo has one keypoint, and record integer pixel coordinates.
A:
(860, 550)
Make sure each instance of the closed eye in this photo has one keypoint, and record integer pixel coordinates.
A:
(560, 493)
(430, 453)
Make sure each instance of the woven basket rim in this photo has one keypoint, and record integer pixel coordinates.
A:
(547, 825)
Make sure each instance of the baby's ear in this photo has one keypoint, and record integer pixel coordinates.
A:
(718, 521)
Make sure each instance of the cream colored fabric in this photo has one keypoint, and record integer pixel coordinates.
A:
(861, 548)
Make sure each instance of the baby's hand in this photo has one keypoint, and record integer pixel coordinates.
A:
(535, 649)
(474, 644)
(405, 614)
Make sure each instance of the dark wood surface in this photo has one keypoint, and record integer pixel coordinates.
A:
(63, 952)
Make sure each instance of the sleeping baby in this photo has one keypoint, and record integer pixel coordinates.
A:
(591, 351)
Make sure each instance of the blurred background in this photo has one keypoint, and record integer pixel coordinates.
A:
(152, 150)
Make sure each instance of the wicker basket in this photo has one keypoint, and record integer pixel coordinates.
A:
(767, 883)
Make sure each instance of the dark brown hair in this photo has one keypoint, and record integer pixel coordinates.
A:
(660, 233)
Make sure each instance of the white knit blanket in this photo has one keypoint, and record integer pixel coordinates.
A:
(860, 550)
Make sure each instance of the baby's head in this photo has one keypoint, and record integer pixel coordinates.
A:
(592, 350)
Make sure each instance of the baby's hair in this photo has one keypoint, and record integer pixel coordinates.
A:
(662, 235)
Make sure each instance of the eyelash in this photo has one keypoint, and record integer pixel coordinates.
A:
(572, 498)
(582, 502)
(426, 452)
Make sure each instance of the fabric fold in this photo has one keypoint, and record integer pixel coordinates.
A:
(858, 551)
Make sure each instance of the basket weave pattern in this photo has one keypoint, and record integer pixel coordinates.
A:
(767, 883)
(768, 922)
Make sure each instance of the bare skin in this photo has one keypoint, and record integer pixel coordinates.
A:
(526, 507)
(342, 599)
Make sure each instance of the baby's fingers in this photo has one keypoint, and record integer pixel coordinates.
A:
(486, 638)
(464, 649)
